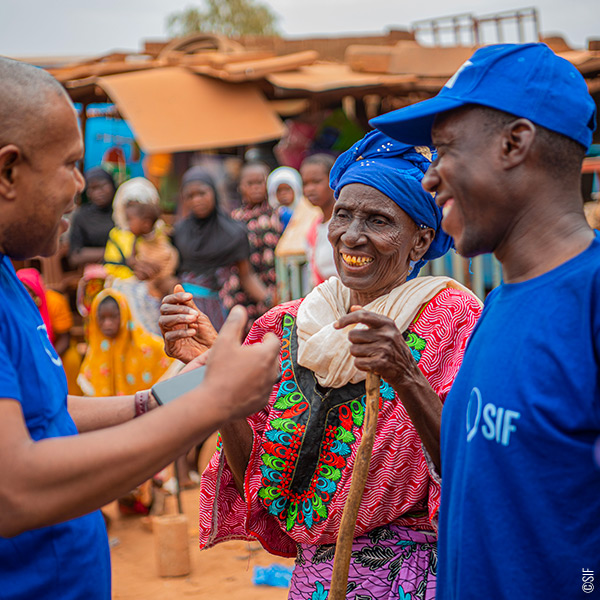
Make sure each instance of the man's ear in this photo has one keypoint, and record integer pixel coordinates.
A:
(423, 239)
(10, 157)
(517, 140)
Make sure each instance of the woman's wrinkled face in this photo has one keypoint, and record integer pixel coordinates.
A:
(285, 194)
(109, 318)
(199, 198)
(374, 241)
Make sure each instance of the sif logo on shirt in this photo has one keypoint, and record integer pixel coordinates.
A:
(48, 347)
(495, 423)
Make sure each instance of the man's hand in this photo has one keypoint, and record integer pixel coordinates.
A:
(187, 331)
(241, 376)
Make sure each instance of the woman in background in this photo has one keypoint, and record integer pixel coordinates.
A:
(264, 230)
(213, 248)
(121, 240)
(93, 220)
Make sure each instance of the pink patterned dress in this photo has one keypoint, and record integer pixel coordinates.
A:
(299, 472)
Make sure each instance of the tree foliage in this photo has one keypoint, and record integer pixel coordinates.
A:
(227, 17)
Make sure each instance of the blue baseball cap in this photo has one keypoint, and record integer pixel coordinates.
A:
(526, 80)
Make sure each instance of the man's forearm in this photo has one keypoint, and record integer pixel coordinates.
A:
(91, 414)
(57, 479)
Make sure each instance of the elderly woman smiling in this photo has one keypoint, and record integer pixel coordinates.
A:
(283, 475)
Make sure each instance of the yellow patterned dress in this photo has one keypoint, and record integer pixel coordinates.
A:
(131, 361)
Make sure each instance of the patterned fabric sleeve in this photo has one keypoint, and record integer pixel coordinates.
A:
(224, 515)
(447, 322)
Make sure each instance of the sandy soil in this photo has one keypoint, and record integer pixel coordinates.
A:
(224, 571)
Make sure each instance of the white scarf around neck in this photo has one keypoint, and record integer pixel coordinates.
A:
(326, 351)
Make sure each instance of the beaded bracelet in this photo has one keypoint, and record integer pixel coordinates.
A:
(141, 399)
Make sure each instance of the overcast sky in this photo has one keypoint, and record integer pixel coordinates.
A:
(88, 27)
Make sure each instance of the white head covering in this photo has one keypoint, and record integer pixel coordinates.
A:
(138, 189)
(284, 175)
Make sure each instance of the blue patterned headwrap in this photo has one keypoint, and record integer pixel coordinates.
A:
(396, 170)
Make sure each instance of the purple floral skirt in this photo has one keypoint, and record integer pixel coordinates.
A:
(387, 563)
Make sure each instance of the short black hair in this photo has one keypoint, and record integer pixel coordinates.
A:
(324, 160)
(254, 164)
(559, 154)
(23, 96)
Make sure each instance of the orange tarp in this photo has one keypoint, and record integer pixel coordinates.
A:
(173, 110)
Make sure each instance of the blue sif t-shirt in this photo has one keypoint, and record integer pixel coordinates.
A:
(71, 560)
(520, 508)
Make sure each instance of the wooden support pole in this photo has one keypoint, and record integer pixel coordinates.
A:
(343, 548)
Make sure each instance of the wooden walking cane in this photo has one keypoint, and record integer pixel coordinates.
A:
(343, 547)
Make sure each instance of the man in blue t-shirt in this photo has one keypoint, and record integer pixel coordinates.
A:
(63, 458)
(520, 510)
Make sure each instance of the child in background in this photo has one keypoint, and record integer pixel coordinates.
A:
(121, 240)
(284, 186)
(120, 249)
(153, 257)
(121, 357)
(315, 178)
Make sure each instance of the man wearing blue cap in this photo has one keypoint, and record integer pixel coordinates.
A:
(520, 513)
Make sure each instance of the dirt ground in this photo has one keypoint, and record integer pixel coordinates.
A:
(224, 571)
